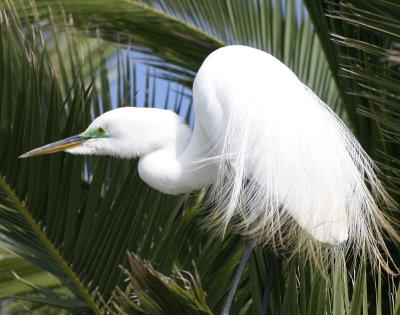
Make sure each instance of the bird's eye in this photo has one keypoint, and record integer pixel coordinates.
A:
(101, 130)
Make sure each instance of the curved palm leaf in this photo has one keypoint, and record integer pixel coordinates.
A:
(168, 30)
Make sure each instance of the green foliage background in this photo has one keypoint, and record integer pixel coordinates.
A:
(66, 222)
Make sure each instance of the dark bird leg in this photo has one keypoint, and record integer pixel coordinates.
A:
(235, 282)
(272, 264)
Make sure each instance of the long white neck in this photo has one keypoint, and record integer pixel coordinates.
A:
(171, 157)
(174, 162)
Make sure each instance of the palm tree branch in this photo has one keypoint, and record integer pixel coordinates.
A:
(26, 213)
(140, 26)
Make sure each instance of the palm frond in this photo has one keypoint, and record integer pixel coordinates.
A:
(158, 294)
(50, 225)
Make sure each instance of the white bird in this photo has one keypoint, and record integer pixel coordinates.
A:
(280, 163)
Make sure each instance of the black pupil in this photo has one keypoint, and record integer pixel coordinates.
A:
(101, 130)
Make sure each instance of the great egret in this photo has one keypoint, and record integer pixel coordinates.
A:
(276, 157)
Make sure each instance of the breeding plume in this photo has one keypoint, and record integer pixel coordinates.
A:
(281, 166)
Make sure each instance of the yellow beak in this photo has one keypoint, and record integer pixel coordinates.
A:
(57, 146)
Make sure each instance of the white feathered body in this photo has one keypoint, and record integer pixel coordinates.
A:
(282, 153)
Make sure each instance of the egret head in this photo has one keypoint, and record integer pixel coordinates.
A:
(126, 132)
(94, 140)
